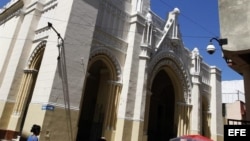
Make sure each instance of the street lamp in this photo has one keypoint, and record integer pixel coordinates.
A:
(211, 47)
(60, 45)
(64, 78)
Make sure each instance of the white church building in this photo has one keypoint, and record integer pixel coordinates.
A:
(82, 69)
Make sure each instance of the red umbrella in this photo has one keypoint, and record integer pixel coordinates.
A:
(196, 138)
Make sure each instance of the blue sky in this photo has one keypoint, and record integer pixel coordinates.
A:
(3, 2)
(199, 22)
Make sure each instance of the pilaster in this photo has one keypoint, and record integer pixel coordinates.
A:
(128, 99)
(216, 104)
(196, 102)
(22, 98)
(196, 95)
(183, 120)
(140, 97)
(111, 114)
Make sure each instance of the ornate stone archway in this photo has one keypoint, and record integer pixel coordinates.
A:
(170, 60)
(26, 88)
(111, 57)
(179, 77)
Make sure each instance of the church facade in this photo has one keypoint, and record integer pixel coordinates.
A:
(83, 69)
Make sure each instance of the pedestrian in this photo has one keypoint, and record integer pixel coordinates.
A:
(36, 131)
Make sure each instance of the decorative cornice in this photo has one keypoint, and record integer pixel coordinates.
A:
(10, 11)
(50, 5)
(41, 34)
(184, 104)
(16, 7)
(137, 18)
(145, 52)
(9, 5)
(30, 71)
(117, 83)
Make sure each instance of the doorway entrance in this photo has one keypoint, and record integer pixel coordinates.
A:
(97, 97)
(162, 107)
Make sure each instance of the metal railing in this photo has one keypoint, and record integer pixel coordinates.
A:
(237, 122)
(233, 96)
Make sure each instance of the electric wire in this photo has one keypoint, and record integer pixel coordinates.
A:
(191, 20)
(98, 45)
(116, 29)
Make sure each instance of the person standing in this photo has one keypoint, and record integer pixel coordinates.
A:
(36, 131)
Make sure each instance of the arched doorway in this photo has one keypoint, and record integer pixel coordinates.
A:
(26, 88)
(92, 112)
(98, 109)
(162, 108)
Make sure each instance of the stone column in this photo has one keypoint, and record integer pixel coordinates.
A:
(111, 114)
(206, 122)
(140, 97)
(21, 101)
(183, 121)
(129, 100)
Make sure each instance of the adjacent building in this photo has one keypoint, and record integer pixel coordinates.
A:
(233, 100)
(83, 69)
(234, 25)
